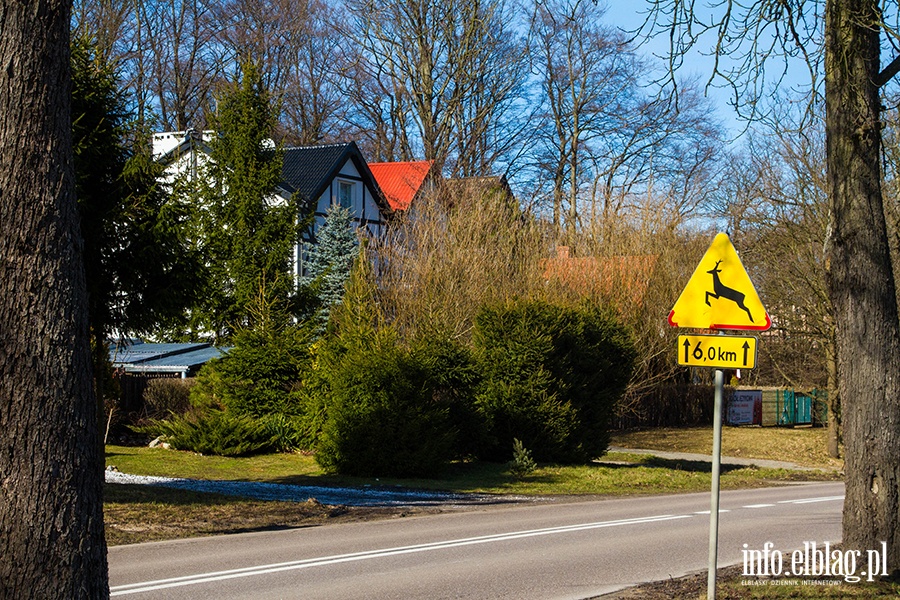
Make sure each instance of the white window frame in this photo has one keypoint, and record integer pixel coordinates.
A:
(344, 184)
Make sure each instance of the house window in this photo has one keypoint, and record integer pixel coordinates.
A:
(345, 194)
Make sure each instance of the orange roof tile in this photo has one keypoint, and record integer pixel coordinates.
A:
(400, 181)
(625, 277)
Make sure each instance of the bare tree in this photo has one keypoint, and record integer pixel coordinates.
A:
(265, 32)
(107, 23)
(51, 517)
(606, 137)
(586, 72)
(176, 59)
(860, 276)
(774, 201)
(437, 78)
(314, 105)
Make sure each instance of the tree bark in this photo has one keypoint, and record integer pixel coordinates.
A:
(833, 442)
(51, 520)
(861, 281)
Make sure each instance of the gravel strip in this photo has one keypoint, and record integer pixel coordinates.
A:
(365, 496)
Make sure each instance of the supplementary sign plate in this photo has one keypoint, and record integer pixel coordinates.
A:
(717, 351)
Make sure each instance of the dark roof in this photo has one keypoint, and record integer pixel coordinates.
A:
(308, 170)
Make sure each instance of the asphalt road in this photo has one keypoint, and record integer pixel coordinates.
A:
(577, 549)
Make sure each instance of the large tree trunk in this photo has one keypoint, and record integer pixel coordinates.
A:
(861, 281)
(51, 514)
(833, 443)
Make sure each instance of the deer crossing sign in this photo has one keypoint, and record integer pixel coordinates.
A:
(720, 295)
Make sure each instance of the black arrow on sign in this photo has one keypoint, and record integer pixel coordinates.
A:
(746, 348)
(687, 347)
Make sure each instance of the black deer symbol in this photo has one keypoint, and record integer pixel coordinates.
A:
(720, 290)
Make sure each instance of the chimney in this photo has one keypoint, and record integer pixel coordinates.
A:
(562, 252)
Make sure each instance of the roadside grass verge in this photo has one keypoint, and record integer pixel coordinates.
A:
(732, 585)
(136, 513)
(802, 445)
(142, 513)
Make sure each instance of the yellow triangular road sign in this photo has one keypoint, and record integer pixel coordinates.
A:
(719, 294)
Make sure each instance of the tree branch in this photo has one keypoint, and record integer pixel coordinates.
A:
(888, 73)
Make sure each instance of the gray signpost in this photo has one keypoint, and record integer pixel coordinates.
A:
(718, 296)
(714, 495)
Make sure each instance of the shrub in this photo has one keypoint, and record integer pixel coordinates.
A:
(286, 433)
(551, 378)
(259, 376)
(167, 395)
(382, 415)
(452, 380)
(213, 432)
(522, 463)
(262, 376)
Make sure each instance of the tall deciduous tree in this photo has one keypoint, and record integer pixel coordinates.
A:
(434, 80)
(605, 135)
(51, 518)
(314, 100)
(860, 276)
(861, 279)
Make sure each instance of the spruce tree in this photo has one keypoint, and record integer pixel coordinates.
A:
(140, 273)
(330, 259)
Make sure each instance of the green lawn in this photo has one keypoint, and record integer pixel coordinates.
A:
(616, 474)
(802, 445)
(139, 513)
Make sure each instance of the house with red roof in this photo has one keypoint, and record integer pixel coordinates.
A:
(403, 182)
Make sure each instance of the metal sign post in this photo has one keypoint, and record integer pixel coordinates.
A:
(714, 496)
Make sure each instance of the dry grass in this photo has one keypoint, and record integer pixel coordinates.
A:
(458, 250)
(140, 513)
(802, 445)
(731, 585)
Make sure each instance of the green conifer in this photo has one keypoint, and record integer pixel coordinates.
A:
(330, 260)
(247, 230)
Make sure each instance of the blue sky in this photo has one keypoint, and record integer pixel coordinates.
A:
(630, 15)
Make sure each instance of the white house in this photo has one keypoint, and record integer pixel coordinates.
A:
(320, 175)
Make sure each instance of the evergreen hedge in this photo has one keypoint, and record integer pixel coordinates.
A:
(383, 417)
(378, 405)
(550, 377)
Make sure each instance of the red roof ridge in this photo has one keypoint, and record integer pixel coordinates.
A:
(400, 181)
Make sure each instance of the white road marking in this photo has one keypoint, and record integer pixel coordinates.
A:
(811, 500)
(149, 586)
